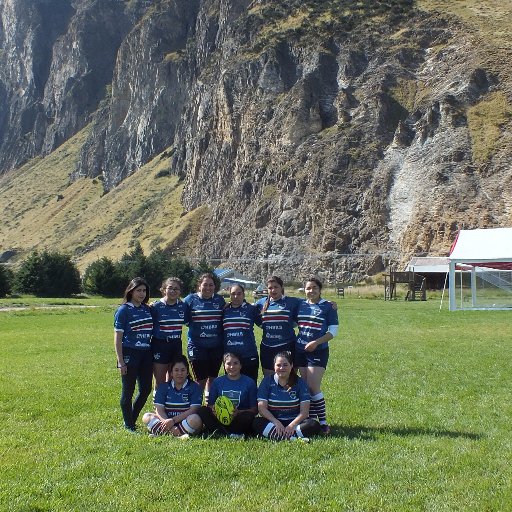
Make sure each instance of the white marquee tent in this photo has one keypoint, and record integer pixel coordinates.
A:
(481, 251)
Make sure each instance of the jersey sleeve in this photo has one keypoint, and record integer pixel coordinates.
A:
(253, 392)
(214, 392)
(264, 390)
(332, 317)
(120, 319)
(196, 395)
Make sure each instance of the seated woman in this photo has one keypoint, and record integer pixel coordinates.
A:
(176, 404)
(283, 404)
(241, 390)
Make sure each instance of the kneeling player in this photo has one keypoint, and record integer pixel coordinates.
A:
(283, 404)
(176, 404)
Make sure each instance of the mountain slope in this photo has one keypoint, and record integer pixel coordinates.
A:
(291, 132)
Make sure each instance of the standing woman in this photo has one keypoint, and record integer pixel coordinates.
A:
(205, 341)
(278, 314)
(238, 323)
(176, 404)
(283, 404)
(133, 326)
(318, 324)
(169, 315)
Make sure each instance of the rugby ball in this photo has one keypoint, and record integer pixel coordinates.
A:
(224, 409)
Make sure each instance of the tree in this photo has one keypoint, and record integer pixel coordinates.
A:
(6, 277)
(159, 266)
(48, 274)
(102, 277)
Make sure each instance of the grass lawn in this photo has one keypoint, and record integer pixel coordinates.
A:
(420, 400)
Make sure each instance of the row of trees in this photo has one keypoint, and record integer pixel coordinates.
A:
(52, 274)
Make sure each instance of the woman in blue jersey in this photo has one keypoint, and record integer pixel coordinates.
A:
(278, 314)
(238, 323)
(133, 326)
(318, 324)
(283, 404)
(176, 404)
(205, 340)
(169, 315)
(241, 390)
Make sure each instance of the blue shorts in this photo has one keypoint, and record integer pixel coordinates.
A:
(315, 358)
(165, 351)
(267, 354)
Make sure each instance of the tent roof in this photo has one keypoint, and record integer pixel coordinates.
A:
(482, 247)
(428, 265)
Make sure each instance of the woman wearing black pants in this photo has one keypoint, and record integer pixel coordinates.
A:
(133, 327)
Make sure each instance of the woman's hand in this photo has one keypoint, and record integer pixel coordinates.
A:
(167, 424)
(289, 431)
(311, 346)
(279, 427)
(123, 370)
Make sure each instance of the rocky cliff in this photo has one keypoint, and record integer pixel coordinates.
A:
(304, 130)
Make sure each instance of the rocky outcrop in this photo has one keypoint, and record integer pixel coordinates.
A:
(311, 130)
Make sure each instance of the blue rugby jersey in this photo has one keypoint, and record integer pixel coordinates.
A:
(168, 319)
(238, 324)
(136, 324)
(313, 320)
(175, 401)
(205, 326)
(242, 392)
(278, 320)
(282, 403)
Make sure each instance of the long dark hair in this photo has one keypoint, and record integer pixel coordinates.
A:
(272, 279)
(292, 379)
(135, 283)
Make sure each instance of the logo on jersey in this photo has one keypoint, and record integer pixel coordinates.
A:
(293, 394)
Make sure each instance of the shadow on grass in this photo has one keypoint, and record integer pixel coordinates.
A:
(371, 433)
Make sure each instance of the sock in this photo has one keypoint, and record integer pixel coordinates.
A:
(317, 408)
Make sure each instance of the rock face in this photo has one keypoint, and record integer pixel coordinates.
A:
(310, 129)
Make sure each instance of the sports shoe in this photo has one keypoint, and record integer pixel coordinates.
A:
(184, 437)
(237, 436)
(300, 439)
(326, 429)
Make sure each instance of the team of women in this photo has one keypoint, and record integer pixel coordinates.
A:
(284, 406)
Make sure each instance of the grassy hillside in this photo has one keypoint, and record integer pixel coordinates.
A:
(43, 210)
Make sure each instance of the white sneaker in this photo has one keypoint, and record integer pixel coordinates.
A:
(184, 437)
(237, 436)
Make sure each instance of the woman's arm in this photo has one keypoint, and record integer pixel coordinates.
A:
(118, 345)
(303, 414)
(265, 413)
(312, 345)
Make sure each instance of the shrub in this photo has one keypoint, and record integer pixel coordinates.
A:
(6, 277)
(102, 278)
(48, 274)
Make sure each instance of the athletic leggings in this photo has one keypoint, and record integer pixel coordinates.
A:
(139, 370)
(308, 428)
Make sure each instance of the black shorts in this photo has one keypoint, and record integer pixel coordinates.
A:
(267, 354)
(165, 351)
(315, 358)
(205, 362)
(250, 367)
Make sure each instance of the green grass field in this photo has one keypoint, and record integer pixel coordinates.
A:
(420, 400)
